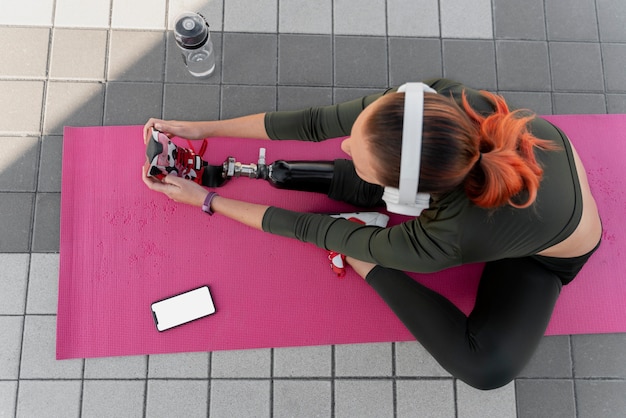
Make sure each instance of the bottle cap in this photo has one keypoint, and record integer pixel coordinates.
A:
(191, 30)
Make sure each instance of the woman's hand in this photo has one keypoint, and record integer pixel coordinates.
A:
(182, 129)
(176, 188)
(361, 267)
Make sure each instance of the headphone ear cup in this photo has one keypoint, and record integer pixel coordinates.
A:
(391, 196)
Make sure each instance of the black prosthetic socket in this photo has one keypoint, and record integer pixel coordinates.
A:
(307, 176)
(337, 179)
(213, 176)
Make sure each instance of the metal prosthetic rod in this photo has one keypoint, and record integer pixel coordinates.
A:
(232, 168)
(309, 176)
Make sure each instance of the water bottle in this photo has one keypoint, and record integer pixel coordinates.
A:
(193, 37)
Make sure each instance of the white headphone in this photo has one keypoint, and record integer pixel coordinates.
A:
(406, 200)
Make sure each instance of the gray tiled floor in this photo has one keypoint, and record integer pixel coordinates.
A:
(75, 62)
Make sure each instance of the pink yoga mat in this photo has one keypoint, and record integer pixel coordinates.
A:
(124, 247)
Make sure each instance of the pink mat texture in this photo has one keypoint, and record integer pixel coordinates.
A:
(124, 247)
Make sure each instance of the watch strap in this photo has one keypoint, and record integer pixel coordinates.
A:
(206, 206)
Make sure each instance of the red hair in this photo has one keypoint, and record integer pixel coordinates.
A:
(490, 156)
(508, 165)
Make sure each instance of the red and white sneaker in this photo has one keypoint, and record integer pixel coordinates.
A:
(338, 260)
(337, 263)
(165, 158)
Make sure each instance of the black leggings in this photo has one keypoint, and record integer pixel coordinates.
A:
(488, 348)
(514, 303)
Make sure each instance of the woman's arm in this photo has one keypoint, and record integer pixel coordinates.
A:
(311, 124)
(251, 126)
(415, 245)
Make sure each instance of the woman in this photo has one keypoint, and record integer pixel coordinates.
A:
(505, 188)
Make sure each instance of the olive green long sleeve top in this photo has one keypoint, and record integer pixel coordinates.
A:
(452, 231)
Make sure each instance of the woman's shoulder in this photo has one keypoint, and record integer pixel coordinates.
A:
(456, 90)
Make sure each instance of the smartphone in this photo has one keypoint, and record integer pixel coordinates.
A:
(183, 308)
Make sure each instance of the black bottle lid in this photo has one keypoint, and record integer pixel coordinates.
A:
(191, 30)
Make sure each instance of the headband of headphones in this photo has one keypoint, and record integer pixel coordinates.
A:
(406, 200)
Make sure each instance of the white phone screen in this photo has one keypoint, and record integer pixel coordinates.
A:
(183, 308)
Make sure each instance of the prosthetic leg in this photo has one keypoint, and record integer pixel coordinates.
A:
(311, 176)
(164, 157)
(308, 176)
(337, 179)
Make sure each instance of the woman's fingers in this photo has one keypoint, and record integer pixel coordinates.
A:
(169, 128)
(148, 181)
(147, 129)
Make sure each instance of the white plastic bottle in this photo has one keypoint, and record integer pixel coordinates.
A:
(193, 37)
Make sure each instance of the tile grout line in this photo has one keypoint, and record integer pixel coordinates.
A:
(221, 82)
(21, 350)
(277, 74)
(271, 381)
(495, 46)
(602, 63)
(455, 396)
(394, 380)
(545, 28)
(387, 43)
(209, 383)
(333, 361)
(305, 378)
(164, 41)
(81, 399)
(517, 405)
(44, 106)
(145, 387)
(291, 378)
(570, 341)
(40, 133)
(440, 38)
(105, 80)
(333, 60)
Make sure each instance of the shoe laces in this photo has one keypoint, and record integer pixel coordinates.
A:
(186, 158)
